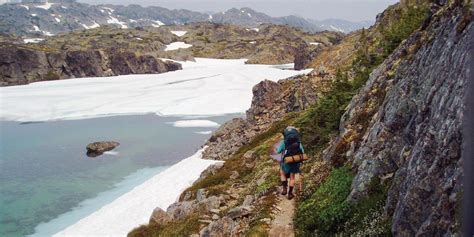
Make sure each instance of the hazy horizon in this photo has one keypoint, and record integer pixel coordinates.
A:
(351, 10)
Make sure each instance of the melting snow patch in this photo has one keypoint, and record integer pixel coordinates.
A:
(27, 8)
(314, 43)
(95, 25)
(108, 9)
(177, 45)
(45, 6)
(111, 153)
(158, 23)
(34, 14)
(32, 40)
(57, 19)
(255, 29)
(132, 20)
(113, 20)
(137, 38)
(210, 17)
(178, 33)
(336, 29)
(36, 28)
(63, 7)
(47, 33)
(194, 124)
(204, 132)
(253, 42)
(248, 14)
(137, 205)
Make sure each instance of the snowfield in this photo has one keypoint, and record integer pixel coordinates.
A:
(206, 87)
(177, 45)
(178, 33)
(195, 124)
(135, 207)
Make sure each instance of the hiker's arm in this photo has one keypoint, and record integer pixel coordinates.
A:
(281, 147)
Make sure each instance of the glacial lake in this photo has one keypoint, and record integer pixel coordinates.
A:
(45, 171)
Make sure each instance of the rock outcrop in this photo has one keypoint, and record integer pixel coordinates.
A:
(405, 126)
(271, 102)
(98, 148)
(19, 65)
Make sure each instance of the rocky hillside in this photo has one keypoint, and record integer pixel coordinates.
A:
(79, 55)
(45, 19)
(381, 117)
(268, 44)
(110, 51)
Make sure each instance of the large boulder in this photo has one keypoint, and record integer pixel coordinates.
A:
(98, 148)
(159, 217)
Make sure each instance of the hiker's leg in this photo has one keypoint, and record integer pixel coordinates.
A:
(292, 185)
(299, 182)
(284, 182)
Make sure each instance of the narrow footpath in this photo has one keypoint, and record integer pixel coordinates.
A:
(282, 224)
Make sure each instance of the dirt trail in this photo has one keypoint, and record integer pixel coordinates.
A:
(282, 224)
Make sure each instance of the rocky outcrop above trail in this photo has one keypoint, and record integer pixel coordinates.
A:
(404, 126)
(271, 102)
(98, 148)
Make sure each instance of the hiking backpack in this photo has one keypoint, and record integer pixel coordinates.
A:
(292, 142)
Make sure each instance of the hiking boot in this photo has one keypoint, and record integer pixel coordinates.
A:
(290, 193)
(284, 187)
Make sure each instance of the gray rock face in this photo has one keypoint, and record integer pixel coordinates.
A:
(304, 56)
(239, 212)
(98, 148)
(406, 122)
(226, 140)
(220, 228)
(159, 217)
(179, 210)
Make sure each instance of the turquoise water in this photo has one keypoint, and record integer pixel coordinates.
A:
(45, 171)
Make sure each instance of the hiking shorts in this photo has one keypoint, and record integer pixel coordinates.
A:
(293, 168)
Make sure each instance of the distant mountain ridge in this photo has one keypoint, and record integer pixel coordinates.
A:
(53, 17)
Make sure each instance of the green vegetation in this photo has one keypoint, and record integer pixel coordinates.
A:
(327, 208)
(51, 75)
(184, 227)
(327, 212)
(366, 216)
(409, 19)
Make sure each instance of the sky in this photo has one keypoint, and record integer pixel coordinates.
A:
(352, 10)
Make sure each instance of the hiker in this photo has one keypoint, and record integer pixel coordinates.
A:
(290, 146)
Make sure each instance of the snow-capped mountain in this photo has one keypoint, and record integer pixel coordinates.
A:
(53, 17)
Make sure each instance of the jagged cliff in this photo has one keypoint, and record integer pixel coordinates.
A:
(404, 126)
(381, 115)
